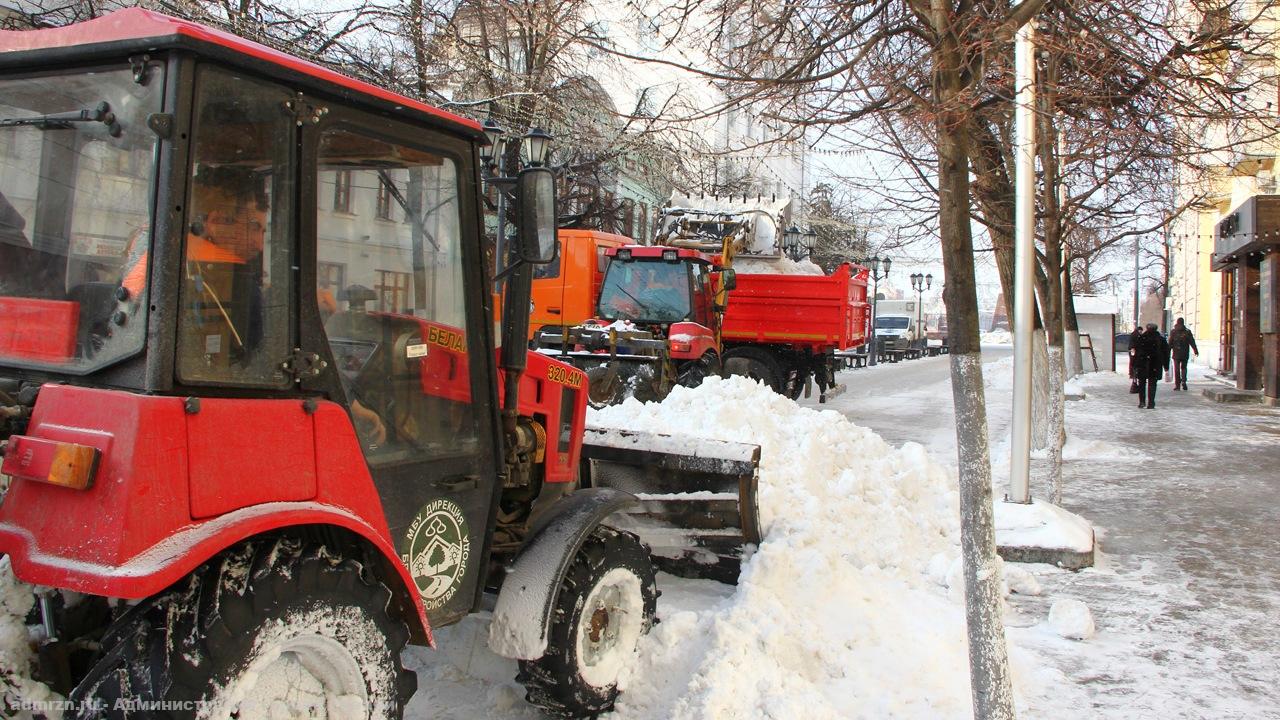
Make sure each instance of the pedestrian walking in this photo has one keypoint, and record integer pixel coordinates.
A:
(1133, 346)
(1181, 344)
(1149, 363)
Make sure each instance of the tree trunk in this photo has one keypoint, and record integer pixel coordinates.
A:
(1039, 387)
(1052, 224)
(988, 658)
(1071, 325)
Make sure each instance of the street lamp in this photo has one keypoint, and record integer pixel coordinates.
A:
(535, 144)
(810, 241)
(920, 283)
(875, 263)
(493, 135)
(791, 241)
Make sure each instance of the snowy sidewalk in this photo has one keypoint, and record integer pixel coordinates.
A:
(1186, 502)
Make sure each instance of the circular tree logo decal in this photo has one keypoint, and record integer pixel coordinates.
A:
(439, 548)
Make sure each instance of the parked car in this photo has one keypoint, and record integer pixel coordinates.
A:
(1122, 342)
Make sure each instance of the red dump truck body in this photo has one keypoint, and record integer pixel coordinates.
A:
(814, 312)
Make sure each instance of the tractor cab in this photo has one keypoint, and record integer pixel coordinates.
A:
(659, 286)
(249, 382)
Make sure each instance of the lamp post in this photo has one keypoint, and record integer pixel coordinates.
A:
(791, 240)
(809, 241)
(920, 283)
(874, 263)
(493, 166)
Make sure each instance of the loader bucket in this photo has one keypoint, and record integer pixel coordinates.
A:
(698, 510)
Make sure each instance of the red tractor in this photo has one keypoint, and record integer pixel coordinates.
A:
(657, 324)
(251, 402)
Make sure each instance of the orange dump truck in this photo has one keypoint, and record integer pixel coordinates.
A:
(565, 291)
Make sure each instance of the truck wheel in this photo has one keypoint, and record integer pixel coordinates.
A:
(270, 628)
(606, 603)
(695, 371)
(756, 364)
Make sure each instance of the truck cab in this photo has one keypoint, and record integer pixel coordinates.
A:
(899, 331)
(565, 290)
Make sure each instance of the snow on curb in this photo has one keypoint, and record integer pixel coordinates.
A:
(1042, 525)
(837, 603)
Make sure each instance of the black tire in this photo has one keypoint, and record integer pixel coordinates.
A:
(756, 364)
(563, 681)
(255, 609)
(604, 387)
(694, 372)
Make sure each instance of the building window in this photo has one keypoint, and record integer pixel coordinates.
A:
(342, 191)
(393, 290)
(628, 218)
(330, 277)
(384, 199)
(642, 222)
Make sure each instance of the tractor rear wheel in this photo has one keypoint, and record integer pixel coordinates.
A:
(756, 364)
(605, 605)
(274, 628)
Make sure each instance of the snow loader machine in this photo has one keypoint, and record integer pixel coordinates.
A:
(660, 308)
(258, 433)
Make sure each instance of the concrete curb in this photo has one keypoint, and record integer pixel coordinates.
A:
(1061, 557)
(1232, 395)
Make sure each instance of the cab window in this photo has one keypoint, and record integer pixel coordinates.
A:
(235, 326)
(397, 326)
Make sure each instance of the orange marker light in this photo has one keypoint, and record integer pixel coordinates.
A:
(58, 463)
(73, 466)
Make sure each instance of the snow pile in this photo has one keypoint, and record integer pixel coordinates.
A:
(997, 337)
(17, 688)
(1041, 525)
(1071, 619)
(835, 614)
(948, 572)
(779, 266)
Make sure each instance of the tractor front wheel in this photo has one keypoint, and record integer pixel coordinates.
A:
(605, 605)
(269, 629)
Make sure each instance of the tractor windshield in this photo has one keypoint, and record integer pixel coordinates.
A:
(653, 291)
(77, 168)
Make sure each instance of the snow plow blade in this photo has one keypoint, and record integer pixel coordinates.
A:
(698, 510)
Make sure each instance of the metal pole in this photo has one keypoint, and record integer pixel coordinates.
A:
(501, 243)
(875, 294)
(1137, 252)
(1024, 253)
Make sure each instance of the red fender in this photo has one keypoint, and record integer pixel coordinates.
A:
(177, 483)
(690, 341)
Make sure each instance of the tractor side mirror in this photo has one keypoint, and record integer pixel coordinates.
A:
(729, 278)
(536, 195)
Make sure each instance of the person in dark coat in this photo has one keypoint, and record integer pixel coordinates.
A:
(1181, 344)
(1150, 361)
(1133, 346)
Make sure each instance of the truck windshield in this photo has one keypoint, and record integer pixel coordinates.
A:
(891, 322)
(77, 166)
(645, 291)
